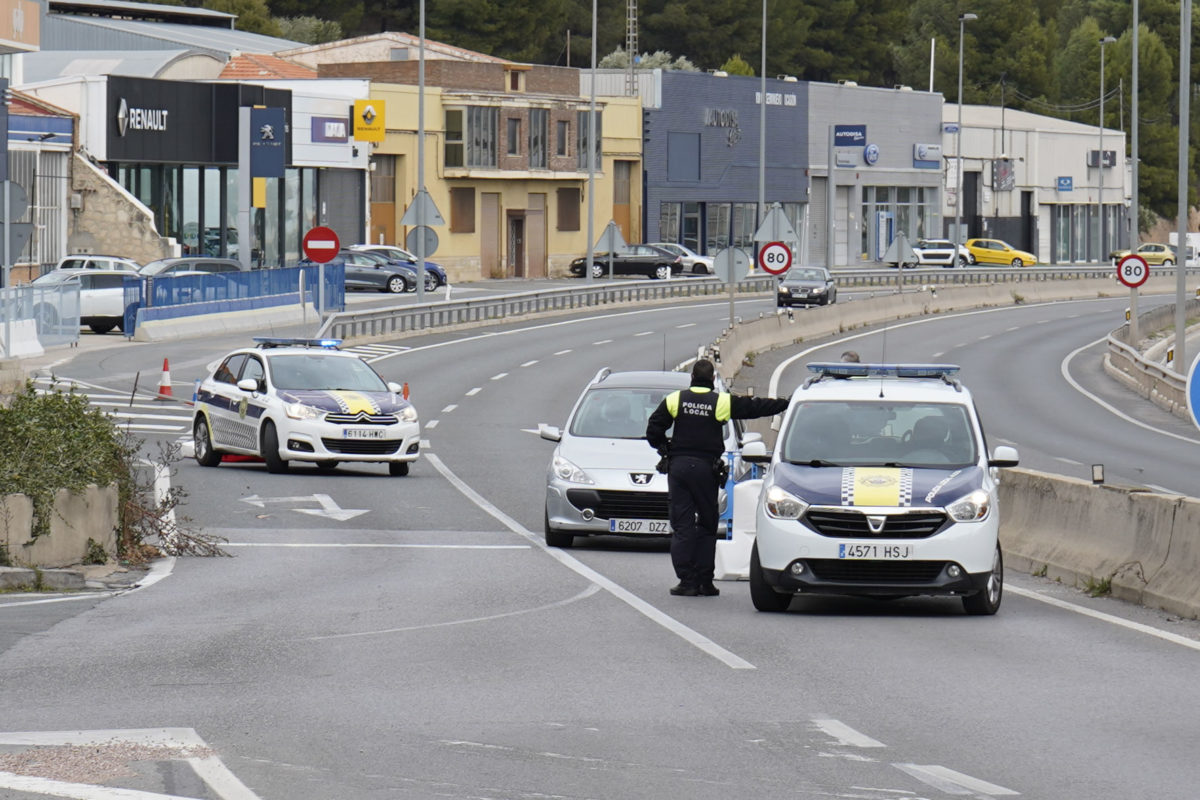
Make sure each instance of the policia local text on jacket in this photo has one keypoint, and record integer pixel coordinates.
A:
(695, 452)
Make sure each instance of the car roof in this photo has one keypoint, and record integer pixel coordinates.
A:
(645, 379)
(884, 388)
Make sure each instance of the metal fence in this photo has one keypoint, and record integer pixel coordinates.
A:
(49, 313)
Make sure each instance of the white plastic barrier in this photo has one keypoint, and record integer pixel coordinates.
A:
(733, 555)
(25, 342)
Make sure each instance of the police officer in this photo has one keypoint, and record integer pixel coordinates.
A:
(695, 459)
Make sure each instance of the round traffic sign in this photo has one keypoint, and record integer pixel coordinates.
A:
(422, 234)
(731, 264)
(775, 258)
(1132, 270)
(1192, 391)
(321, 244)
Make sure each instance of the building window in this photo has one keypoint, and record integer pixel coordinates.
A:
(668, 222)
(383, 179)
(462, 210)
(568, 209)
(717, 227)
(454, 138)
(563, 129)
(539, 122)
(482, 123)
(514, 136)
(581, 139)
(514, 81)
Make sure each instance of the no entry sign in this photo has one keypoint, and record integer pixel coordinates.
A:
(321, 244)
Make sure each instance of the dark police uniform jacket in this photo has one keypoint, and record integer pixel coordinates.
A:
(699, 415)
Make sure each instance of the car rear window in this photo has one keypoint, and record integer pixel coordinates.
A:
(616, 413)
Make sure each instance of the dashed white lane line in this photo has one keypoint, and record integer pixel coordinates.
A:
(1070, 461)
(644, 333)
(603, 341)
(473, 392)
(433, 423)
(449, 408)
(529, 363)
(673, 625)
(844, 734)
(951, 782)
(687, 325)
(500, 376)
(562, 352)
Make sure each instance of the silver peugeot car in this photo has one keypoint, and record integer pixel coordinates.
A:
(602, 478)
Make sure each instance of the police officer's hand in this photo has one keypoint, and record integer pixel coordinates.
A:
(663, 464)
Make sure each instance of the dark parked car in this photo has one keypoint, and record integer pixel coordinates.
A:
(169, 266)
(373, 271)
(393, 253)
(806, 286)
(637, 259)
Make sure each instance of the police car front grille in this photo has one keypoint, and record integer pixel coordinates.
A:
(615, 504)
(843, 570)
(362, 447)
(852, 524)
(361, 419)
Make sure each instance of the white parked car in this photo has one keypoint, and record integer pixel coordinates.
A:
(303, 400)
(88, 261)
(693, 262)
(940, 253)
(880, 485)
(101, 298)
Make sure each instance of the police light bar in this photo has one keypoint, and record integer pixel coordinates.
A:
(282, 341)
(843, 369)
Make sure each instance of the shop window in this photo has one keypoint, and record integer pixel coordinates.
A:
(462, 210)
(568, 209)
(717, 226)
(668, 222)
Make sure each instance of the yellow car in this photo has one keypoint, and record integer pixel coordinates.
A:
(1155, 255)
(994, 251)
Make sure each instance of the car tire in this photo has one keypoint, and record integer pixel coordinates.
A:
(206, 454)
(987, 601)
(396, 284)
(699, 269)
(962, 260)
(662, 272)
(762, 594)
(397, 469)
(431, 281)
(270, 450)
(555, 537)
(1168, 262)
(1016, 262)
(597, 269)
(102, 328)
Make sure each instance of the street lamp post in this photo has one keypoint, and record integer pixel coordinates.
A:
(963, 19)
(1100, 159)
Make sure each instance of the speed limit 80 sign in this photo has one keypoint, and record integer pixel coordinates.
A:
(1132, 271)
(775, 257)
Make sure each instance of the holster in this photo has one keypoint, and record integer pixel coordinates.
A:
(721, 469)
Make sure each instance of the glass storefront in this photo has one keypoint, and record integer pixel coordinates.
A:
(717, 225)
(891, 210)
(1075, 233)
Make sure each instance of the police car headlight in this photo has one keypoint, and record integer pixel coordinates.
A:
(972, 508)
(408, 414)
(781, 504)
(301, 411)
(568, 472)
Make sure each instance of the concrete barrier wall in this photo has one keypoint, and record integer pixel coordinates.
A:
(77, 517)
(1147, 545)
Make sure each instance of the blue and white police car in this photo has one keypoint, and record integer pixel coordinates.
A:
(302, 400)
(880, 485)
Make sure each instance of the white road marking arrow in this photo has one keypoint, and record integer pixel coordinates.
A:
(328, 507)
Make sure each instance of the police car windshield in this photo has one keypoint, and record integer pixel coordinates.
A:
(321, 371)
(861, 434)
(619, 413)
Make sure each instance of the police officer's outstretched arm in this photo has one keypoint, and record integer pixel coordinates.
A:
(741, 407)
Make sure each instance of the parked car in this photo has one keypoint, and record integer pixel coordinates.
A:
(375, 271)
(806, 286)
(939, 252)
(637, 259)
(89, 261)
(693, 262)
(169, 266)
(393, 253)
(1155, 255)
(995, 251)
(101, 298)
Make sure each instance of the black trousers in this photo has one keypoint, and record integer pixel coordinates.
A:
(692, 490)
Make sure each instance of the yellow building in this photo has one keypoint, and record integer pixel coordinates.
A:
(505, 163)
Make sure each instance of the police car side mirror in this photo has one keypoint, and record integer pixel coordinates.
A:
(549, 432)
(1003, 456)
(248, 385)
(756, 452)
(395, 388)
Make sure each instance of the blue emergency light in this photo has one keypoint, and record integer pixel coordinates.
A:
(283, 341)
(844, 369)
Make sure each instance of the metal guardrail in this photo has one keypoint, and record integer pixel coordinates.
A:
(1157, 382)
(393, 320)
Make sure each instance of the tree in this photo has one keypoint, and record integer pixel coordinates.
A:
(309, 30)
(736, 65)
(659, 59)
(253, 16)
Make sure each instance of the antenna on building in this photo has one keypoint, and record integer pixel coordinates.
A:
(631, 47)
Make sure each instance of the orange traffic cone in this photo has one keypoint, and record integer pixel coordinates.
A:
(406, 390)
(164, 383)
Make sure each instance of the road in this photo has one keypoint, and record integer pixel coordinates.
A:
(430, 646)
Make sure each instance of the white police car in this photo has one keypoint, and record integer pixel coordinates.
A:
(302, 400)
(880, 485)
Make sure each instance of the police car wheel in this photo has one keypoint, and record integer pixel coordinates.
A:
(762, 594)
(556, 538)
(398, 469)
(987, 601)
(206, 456)
(270, 450)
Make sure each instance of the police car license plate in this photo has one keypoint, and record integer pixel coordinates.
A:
(639, 526)
(362, 433)
(883, 552)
